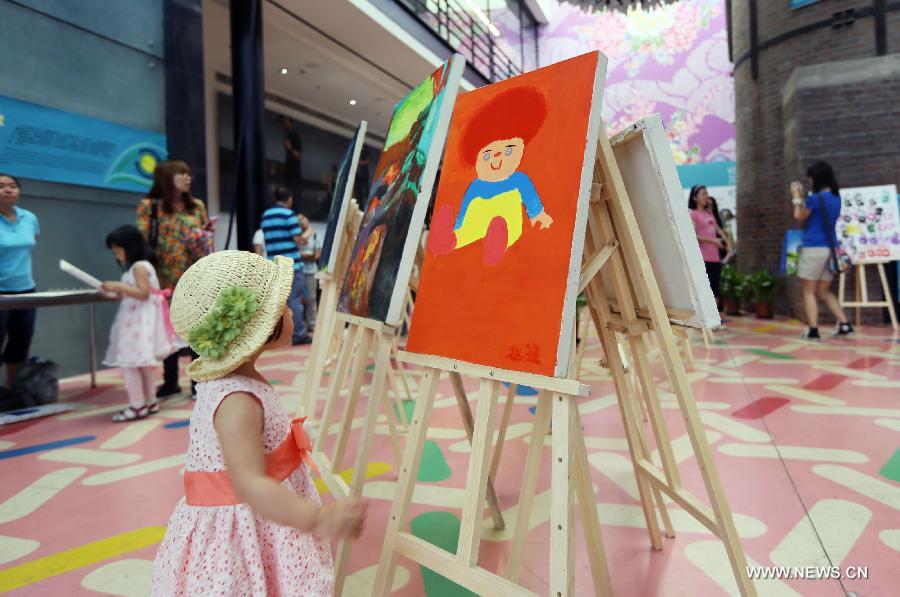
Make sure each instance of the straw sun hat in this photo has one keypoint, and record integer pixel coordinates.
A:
(227, 305)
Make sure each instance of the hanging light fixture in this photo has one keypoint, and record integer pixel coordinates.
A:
(620, 5)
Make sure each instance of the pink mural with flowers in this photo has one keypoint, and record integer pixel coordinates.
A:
(672, 59)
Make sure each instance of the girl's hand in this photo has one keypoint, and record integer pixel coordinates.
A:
(796, 190)
(111, 287)
(342, 519)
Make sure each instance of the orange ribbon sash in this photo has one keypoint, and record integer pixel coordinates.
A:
(202, 488)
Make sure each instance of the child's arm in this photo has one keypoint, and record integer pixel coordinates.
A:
(239, 425)
(141, 290)
(534, 209)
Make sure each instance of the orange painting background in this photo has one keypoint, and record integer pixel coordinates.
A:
(489, 315)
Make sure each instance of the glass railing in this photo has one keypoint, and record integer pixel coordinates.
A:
(465, 31)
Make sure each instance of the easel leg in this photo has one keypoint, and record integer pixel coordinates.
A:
(590, 520)
(403, 378)
(584, 331)
(465, 411)
(412, 457)
(479, 472)
(529, 485)
(689, 351)
(501, 430)
(359, 369)
(315, 364)
(394, 393)
(562, 532)
(337, 382)
(888, 296)
(707, 339)
(389, 416)
(626, 410)
(860, 284)
(373, 408)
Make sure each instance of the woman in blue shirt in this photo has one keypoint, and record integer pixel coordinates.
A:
(18, 235)
(818, 213)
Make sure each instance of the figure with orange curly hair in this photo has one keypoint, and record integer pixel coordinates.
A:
(491, 208)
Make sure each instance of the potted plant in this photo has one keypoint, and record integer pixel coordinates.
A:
(763, 285)
(732, 286)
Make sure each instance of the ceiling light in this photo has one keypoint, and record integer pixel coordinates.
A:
(284, 71)
(352, 102)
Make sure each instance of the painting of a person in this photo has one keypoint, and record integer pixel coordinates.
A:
(491, 209)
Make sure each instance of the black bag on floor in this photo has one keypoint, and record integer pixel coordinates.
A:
(36, 382)
(10, 400)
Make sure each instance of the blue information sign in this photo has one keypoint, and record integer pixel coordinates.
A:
(47, 144)
(794, 4)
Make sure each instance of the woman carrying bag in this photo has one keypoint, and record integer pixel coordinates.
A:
(819, 261)
(177, 228)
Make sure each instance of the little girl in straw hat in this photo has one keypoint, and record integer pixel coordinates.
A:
(250, 521)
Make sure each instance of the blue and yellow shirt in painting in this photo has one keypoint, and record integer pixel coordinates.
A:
(485, 201)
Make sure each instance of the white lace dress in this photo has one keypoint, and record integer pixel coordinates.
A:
(230, 550)
(139, 337)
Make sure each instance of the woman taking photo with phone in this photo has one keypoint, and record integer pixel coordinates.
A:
(178, 230)
(817, 213)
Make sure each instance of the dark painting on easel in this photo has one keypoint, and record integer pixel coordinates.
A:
(385, 248)
(340, 201)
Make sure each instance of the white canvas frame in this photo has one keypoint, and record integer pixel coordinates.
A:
(645, 161)
(858, 257)
(595, 121)
(358, 141)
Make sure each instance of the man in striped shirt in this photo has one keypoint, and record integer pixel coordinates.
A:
(283, 236)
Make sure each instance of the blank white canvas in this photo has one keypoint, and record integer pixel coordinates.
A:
(648, 170)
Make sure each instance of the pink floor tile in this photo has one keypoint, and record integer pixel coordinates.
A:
(801, 472)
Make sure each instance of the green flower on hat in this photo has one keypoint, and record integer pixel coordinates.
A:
(212, 336)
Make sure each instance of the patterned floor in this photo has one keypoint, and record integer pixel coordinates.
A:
(806, 438)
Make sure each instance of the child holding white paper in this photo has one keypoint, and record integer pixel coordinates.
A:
(141, 334)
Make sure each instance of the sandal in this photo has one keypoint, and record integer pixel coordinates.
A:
(130, 414)
(153, 407)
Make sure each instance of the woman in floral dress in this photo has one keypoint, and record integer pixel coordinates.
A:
(176, 226)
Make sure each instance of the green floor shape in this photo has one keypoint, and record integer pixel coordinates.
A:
(771, 355)
(434, 467)
(891, 469)
(409, 406)
(442, 530)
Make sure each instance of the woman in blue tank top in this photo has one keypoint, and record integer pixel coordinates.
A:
(18, 235)
(817, 213)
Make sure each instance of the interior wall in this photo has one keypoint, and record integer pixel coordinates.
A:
(100, 59)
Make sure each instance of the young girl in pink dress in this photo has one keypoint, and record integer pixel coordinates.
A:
(141, 335)
(251, 522)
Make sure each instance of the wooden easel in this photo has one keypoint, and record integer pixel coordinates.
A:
(614, 245)
(366, 336)
(324, 338)
(361, 339)
(330, 334)
(862, 293)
